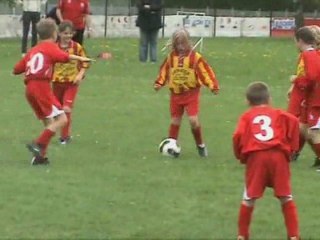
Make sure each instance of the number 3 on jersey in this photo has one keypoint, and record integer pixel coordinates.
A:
(35, 64)
(266, 131)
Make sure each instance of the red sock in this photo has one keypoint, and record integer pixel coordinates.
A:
(316, 149)
(174, 131)
(289, 211)
(45, 137)
(197, 135)
(65, 131)
(244, 220)
(302, 141)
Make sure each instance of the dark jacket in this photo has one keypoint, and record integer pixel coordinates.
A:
(149, 18)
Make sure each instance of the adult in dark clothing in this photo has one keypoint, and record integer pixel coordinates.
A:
(53, 14)
(30, 15)
(149, 22)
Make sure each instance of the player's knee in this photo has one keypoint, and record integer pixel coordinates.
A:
(285, 199)
(63, 120)
(248, 202)
(314, 135)
(194, 122)
(176, 121)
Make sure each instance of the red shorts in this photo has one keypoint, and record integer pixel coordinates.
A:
(267, 168)
(66, 93)
(188, 101)
(42, 100)
(314, 117)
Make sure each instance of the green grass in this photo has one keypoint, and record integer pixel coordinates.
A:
(111, 182)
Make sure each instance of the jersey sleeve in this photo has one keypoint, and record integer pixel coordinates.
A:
(237, 140)
(206, 74)
(292, 132)
(164, 72)
(58, 55)
(20, 67)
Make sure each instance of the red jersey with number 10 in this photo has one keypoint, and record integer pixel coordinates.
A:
(263, 127)
(39, 61)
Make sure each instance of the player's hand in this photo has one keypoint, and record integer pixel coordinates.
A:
(78, 79)
(157, 86)
(215, 91)
(292, 78)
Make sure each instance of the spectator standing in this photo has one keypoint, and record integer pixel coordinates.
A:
(31, 14)
(53, 15)
(78, 12)
(149, 22)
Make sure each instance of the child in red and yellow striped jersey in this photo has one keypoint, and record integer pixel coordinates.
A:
(185, 71)
(68, 76)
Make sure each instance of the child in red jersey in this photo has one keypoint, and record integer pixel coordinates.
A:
(304, 84)
(37, 65)
(264, 140)
(68, 76)
(185, 70)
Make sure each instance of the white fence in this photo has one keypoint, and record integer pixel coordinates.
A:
(198, 26)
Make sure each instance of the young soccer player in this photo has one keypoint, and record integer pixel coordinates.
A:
(307, 40)
(37, 66)
(264, 140)
(68, 76)
(185, 70)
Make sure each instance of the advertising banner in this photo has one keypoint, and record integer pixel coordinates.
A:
(282, 27)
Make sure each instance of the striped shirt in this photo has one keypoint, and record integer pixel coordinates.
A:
(31, 5)
(184, 73)
(66, 72)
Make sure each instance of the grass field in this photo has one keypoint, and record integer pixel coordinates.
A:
(111, 182)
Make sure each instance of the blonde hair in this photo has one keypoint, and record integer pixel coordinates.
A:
(181, 36)
(46, 28)
(316, 33)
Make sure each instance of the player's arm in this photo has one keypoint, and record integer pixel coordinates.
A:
(20, 67)
(83, 66)
(58, 10)
(207, 75)
(237, 141)
(163, 74)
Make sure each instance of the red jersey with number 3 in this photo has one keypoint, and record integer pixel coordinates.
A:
(263, 127)
(39, 61)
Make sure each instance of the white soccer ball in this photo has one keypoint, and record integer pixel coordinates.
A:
(169, 147)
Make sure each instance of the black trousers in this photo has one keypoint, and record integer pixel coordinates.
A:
(78, 36)
(27, 18)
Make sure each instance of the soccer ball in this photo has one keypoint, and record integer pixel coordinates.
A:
(169, 147)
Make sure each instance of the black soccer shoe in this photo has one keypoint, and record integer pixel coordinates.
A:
(40, 161)
(316, 162)
(203, 152)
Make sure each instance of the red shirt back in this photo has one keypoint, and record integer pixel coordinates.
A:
(39, 61)
(75, 11)
(264, 127)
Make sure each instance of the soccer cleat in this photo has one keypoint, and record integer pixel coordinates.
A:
(39, 160)
(316, 162)
(64, 141)
(34, 148)
(203, 152)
